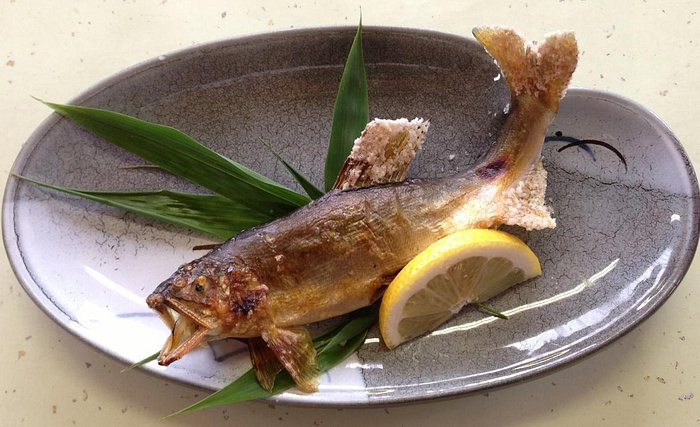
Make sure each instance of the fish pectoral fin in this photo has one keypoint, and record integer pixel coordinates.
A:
(265, 362)
(294, 348)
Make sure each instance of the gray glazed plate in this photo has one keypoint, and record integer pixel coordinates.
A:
(624, 239)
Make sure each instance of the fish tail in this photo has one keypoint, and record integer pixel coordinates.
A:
(542, 71)
(537, 76)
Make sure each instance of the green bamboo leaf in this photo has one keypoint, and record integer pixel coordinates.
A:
(211, 214)
(356, 325)
(331, 356)
(141, 362)
(246, 387)
(178, 153)
(313, 191)
(351, 112)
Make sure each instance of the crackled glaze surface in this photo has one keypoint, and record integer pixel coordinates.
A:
(624, 239)
(620, 246)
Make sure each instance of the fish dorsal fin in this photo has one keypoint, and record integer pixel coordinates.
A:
(294, 348)
(542, 71)
(265, 362)
(383, 153)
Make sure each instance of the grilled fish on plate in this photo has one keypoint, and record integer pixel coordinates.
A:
(336, 254)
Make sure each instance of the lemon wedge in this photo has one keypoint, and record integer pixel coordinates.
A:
(465, 267)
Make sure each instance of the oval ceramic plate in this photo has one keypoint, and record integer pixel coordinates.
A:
(624, 239)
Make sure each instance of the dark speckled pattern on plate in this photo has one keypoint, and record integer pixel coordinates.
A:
(623, 242)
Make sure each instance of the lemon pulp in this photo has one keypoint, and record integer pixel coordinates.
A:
(465, 267)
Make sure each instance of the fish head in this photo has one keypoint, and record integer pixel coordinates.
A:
(187, 302)
(206, 300)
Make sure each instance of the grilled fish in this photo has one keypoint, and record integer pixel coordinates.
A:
(336, 254)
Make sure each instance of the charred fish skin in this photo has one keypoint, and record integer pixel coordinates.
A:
(335, 254)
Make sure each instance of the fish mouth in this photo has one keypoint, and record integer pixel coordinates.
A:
(188, 328)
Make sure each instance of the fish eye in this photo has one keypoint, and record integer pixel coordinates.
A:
(199, 283)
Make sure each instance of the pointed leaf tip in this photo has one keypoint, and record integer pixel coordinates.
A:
(351, 111)
(313, 191)
(208, 213)
(181, 155)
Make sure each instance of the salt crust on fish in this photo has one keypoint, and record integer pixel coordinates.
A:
(551, 59)
(383, 152)
(386, 148)
(524, 205)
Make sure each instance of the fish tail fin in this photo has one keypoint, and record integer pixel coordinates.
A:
(294, 348)
(542, 71)
(537, 76)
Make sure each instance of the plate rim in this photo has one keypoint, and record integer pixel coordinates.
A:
(24, 276)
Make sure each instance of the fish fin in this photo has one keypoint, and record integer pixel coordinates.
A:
(524, 204)
(542, 71)
(265, 362)
(294, 348)
(383, 153)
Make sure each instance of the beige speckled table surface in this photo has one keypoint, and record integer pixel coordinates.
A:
(645, 49)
